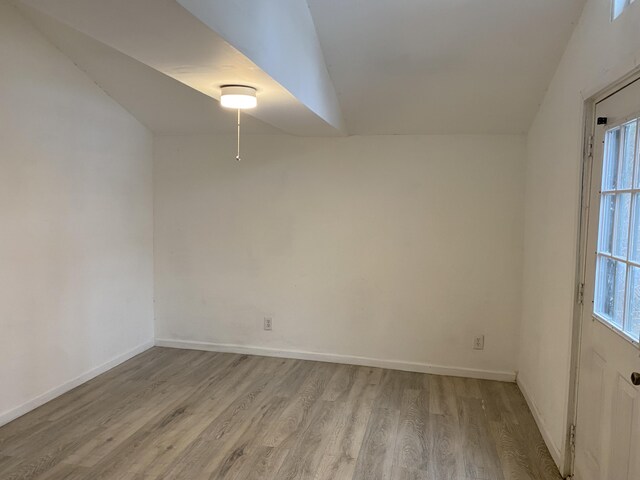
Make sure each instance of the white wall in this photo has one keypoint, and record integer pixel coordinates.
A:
(388, 247)
(76, 223)
(598, 53)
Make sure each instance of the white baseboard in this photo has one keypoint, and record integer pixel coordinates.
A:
(9, 415)
(555, 452)
(334, 358)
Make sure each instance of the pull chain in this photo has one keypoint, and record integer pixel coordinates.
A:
(238, 155)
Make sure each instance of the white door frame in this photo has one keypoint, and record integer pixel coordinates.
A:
(585, 174)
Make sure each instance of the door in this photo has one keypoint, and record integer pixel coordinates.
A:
(607, 435)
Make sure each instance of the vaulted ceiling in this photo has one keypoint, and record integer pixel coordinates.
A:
(442, 66)
(322, 67)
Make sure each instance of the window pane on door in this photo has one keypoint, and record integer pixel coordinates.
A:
(617, 289)
(634, 252)
(625, 173)
(632, 323)
(610, 290)
(621, 224)
(612, 154)
(607, 215)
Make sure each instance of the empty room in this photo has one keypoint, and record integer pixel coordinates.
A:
(320, 239)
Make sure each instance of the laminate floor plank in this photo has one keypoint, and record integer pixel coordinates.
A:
(8, 464)
(340, 384)
(139, 451)
(529, 438)
(446, 459)
(65, 471)
(375, 459)
(479, 451)
(297, 415)
(211, 450)
(348, 434)
(514, 460)
(264, 465)
(443, 399)
(413, 438)
(308, 449)
(184, 414)
(247, 448)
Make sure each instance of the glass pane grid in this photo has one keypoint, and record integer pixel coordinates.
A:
(617, 286)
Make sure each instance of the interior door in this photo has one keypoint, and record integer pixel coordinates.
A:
(607, 441)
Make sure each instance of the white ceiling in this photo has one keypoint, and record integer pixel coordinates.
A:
(161, 103)
(280, 38)
(442, 66)
(166, 37)
(398, 66)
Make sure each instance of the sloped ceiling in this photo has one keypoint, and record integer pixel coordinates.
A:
(442, 66)
(324, 67)
(168, 38)
(280, 38)
(164, 105)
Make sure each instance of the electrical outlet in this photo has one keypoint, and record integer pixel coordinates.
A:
(267, 323)
(478, 343)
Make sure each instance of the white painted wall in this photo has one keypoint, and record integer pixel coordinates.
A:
(598, 53)
(76, 223)
(387, 247)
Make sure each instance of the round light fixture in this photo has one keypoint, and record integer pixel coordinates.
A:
(238, 97)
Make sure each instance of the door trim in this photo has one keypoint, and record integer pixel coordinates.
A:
(576, 336)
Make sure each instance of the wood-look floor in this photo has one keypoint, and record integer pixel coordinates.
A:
(181, 414)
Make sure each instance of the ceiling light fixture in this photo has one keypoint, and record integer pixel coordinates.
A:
(239, 97)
